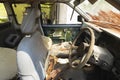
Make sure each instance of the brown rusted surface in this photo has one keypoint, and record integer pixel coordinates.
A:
(52, 72)
(52, 62)
(110, 20)
(55, 73)
(50, 67)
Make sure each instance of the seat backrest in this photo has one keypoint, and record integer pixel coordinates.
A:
(31, 55)
(31, 52)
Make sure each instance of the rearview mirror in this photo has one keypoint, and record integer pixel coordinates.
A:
(79, 18)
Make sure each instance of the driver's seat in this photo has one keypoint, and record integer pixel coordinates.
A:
(31, 52)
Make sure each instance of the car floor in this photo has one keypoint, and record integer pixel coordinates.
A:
(87, 73)
(95, 73)
(99, 74)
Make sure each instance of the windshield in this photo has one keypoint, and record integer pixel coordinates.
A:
(104, 13)
(86, 8)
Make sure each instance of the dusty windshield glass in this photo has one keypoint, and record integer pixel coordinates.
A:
(87, 7)
(104, 13)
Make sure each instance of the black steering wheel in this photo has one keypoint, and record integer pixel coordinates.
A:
(81, 62)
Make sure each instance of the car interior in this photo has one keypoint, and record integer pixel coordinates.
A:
(35, 50)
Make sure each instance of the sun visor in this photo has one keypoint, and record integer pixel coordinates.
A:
(29, 23)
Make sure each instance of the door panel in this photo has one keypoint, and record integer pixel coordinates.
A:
(6, 31)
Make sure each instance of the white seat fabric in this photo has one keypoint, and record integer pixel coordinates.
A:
(31, 55)
(8, 66)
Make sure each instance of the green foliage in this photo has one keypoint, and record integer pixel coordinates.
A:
(19, 10)
(3, 14)
(45, 8)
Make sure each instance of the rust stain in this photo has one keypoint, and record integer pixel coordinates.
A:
(51, 73)
(51, 64)
(110, 20)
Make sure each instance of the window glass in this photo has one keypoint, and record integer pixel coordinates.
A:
(19, 9)
(58, 13)
(46, 9)
(3, 14)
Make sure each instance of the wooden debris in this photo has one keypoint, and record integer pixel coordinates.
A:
(110, 20)
(51, 64)
(52, 72)
(55, 74)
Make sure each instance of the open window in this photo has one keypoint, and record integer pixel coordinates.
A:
(19, 10)
(57, 23)
(3, 14)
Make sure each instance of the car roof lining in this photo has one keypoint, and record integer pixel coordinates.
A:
(31, 1)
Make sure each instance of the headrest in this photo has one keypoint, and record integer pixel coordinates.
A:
(29, 23)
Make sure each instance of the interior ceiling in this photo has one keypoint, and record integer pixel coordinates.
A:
(44, 1)
(31, 1)
(115, 3)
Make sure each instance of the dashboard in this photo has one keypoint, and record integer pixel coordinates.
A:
(112, 43)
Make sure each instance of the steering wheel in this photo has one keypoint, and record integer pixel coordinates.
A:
(81, 62)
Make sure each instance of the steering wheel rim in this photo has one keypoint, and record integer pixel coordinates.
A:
(90, 50)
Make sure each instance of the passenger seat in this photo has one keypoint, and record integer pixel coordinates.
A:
(31, 52)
